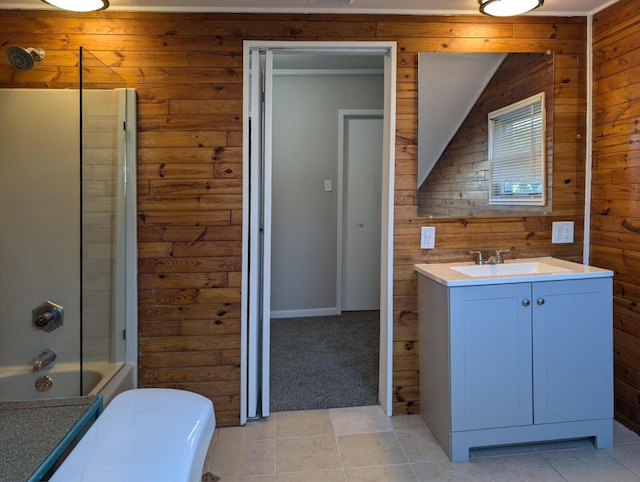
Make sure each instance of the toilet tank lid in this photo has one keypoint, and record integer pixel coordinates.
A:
(144, 434)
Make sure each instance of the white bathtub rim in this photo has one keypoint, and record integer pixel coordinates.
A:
(105, 369)
(122, 379)
(114, 377)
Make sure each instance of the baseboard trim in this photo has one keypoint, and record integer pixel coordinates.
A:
(305, 313)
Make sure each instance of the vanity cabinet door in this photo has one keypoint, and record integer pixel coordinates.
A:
(573, 350)
(490, 344)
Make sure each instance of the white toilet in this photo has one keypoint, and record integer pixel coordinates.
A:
(147, 434)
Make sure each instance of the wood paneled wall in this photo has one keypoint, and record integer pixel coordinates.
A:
(615, 215)
(188, 72)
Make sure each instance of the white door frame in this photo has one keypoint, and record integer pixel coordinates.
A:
(343, 116)
(249, 298)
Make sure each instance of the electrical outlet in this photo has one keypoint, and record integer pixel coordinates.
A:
(427, 237)
(562, 232)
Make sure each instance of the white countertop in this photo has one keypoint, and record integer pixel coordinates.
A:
(541, 269)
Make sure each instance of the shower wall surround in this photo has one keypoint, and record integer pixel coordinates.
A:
(103, 201)
(40, 216)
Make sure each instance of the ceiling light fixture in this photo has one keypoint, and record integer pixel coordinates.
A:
(508, 8)
(79, 5)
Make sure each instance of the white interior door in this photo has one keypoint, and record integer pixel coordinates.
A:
(361, 160)
(266, 234)
(255, 269)
(259, 266)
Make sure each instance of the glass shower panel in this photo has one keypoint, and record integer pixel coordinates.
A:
(103, 113)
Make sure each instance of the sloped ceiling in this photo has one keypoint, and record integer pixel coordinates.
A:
(449, 85)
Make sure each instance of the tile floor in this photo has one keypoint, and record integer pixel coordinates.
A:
(362, 444)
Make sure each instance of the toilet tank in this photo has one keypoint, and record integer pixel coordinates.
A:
(147, 434)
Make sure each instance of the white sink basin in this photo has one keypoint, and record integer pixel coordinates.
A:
(511, 271)
(483, 270)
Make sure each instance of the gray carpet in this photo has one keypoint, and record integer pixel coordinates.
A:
(325, 361)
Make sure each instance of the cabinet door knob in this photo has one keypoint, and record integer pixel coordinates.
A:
(540, 301)
(526, 302)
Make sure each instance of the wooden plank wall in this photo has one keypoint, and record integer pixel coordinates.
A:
(188, 72)
(615, 216)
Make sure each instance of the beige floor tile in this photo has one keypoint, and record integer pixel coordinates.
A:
(420, 445)
(212, 444)
(243, 459)
(628, 455)
(263, 429)
(395, 473)
(448, 471)
(622, 435)
(369, 449)
(360, 420)
(303, 423)
(313, 476)
(307, 453)
(523, 468)
(263, 478)
(407, 422)
(590, 466)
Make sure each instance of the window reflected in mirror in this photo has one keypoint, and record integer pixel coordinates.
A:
(516, 153)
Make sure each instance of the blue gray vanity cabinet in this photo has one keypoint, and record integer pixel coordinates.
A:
(516, 362)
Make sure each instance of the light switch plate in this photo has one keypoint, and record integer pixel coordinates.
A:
(427, 237)
(328, 185)
(562, 232)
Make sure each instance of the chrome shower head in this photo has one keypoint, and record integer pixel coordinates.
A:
(24, 59)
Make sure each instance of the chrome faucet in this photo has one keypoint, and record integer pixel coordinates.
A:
(494, 258)
(44, 359)
(479, 258)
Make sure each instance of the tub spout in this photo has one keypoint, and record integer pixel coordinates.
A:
(44, 359)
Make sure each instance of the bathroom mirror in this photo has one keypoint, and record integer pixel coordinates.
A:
(456, 93)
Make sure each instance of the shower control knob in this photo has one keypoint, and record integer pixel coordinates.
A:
(47, 316)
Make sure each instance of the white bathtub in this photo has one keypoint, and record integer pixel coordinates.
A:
(116, 379)
(98, 378)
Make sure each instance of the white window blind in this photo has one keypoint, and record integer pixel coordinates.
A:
(517, 153)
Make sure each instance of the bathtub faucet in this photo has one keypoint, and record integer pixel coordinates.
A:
(44, 359)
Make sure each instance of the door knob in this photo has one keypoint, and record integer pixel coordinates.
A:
(526, 302)
(540, 301)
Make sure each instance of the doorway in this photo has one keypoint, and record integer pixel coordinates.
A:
(260, 223)
(359, 214)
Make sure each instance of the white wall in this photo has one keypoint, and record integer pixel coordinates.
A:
(305, 152)
(39, 221)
